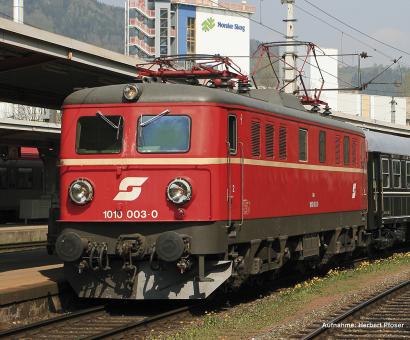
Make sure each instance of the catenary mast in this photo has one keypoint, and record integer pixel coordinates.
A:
(290, 54)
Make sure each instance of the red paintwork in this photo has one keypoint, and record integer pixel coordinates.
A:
(268, 191)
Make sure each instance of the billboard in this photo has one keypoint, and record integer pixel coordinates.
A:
(224, 34)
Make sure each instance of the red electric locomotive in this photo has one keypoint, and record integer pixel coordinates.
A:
(168, 191)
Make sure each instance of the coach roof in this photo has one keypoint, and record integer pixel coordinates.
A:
(265, 100)
(387, 144)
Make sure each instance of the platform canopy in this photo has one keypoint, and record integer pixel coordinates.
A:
(39, 68)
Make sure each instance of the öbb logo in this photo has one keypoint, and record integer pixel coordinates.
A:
(133, 183)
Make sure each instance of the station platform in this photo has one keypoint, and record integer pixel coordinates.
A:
(30, 283)
(28, 275)
(11, 234)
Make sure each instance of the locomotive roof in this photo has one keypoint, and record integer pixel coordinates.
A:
(266, 100)
(388, 144)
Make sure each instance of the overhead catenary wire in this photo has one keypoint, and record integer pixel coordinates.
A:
(357, 30)
(345, 33)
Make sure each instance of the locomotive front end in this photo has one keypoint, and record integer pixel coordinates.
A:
(136, 216)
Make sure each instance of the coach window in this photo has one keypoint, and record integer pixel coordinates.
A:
(303, 141)
(385, 173)
(164, 134)
(407, 174)
(232, 134)
(322, 146)
(99, 134)
(3, 178)
(396, 173)
(346, 151)
(24, 178)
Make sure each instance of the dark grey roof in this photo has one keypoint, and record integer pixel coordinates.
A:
(389, 144)
(159, 92)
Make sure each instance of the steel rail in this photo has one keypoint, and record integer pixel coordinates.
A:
(131, 325)
(359, 307)
(43, 323)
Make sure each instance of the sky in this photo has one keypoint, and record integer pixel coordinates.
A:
(384, 20)
(387, 21)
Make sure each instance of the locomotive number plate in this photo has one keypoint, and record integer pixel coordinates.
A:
(130, 214)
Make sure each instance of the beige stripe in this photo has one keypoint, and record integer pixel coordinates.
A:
(144, 161)
(202, 161)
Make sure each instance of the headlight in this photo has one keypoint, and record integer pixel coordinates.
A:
(81, 191)
(179, 191)
(131, 92)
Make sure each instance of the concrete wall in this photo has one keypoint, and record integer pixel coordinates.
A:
(349, 103)
(328, 65)
(374, 107)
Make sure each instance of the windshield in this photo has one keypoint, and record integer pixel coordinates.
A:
(95, 135)
(167, 134)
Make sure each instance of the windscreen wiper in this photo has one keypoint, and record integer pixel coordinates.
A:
(153, 119)
(109, 122)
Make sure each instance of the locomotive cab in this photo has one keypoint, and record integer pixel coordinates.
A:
(137, 180)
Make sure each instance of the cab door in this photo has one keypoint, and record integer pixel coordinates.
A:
(234, 170)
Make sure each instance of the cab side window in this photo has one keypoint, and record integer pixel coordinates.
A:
(232, 134)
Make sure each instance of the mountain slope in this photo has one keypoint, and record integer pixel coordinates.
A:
(86, 20)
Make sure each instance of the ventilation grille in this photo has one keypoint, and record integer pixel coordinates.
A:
(255, 139)
(269, 141)
(337, 148)
(282, 143)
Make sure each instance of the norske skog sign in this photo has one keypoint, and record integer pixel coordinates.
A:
(209, 24)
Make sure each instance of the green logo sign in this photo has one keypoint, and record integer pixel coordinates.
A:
(208, 24)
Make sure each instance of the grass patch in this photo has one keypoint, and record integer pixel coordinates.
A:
(247, 319)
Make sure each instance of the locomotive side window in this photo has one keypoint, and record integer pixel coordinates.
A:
(283, 152)
(232, 134)
(385, 173)
(407, 174)
(396, 173)
(346, 151)
(97, 135)
(269, 140)
(303, 141)
(256, 139)
(337, 149)
(322, 146)
(3, 178)
(167, 134)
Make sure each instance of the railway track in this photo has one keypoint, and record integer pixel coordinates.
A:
(11, 247)
(92, 323)
(385, 316)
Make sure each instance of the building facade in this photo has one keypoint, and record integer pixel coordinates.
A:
(169, 27)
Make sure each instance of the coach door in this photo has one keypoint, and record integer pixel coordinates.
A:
(235, 170)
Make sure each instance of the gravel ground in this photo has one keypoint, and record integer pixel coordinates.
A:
(326, 309)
